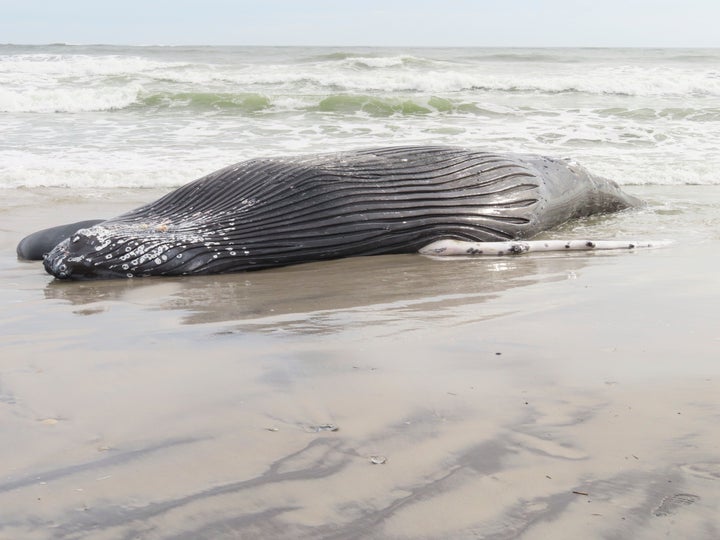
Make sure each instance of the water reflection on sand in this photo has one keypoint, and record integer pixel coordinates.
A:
(331, 296)
(532, 397)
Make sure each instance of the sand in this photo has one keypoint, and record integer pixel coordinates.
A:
(542, 396)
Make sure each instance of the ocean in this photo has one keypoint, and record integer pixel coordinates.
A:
(548, 395)
(98, 117)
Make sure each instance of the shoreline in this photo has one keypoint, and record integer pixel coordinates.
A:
(512, 397)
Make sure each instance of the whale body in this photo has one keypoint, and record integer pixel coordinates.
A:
(271, 212)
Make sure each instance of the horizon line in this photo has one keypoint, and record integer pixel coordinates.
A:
(325, 46)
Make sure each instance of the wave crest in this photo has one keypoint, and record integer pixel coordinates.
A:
(67, 99)
(211, 101)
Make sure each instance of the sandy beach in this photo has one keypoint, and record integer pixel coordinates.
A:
(541, 396)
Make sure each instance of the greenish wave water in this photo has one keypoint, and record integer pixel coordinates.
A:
(206, 101)
(108, 116)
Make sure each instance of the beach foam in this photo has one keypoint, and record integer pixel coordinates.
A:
(72, 113)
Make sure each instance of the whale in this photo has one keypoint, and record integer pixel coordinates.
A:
(278, 211)
(36, 245)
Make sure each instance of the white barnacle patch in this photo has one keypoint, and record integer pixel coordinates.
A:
(149, 252)
(102, 246)
(138, 247)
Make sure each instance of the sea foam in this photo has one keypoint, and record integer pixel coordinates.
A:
(83, 116)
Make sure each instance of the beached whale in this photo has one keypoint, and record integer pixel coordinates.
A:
(36, 245)
(271, 212)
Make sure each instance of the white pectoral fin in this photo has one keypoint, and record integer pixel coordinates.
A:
(449, 247)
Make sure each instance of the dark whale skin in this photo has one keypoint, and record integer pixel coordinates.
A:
(272, 212)
(35, 246)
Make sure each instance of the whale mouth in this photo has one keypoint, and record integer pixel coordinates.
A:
(61, 263)
(66, 262)
(56, 261)
(126, 250)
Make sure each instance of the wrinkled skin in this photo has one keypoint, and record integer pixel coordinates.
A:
(274, 212)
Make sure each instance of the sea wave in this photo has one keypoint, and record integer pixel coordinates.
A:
(710, 114)
(358, 73)
(159, 116)
(630, 82)
(108, 172)
(134, 96)
(371, 61)
(60, 66)
(379, 106)
(246, 102)
(68, 99)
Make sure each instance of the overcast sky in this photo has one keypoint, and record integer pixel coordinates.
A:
(534, 23)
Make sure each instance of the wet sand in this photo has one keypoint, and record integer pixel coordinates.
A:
(534, 397)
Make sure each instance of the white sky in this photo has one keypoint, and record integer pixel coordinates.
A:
(503, 23)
